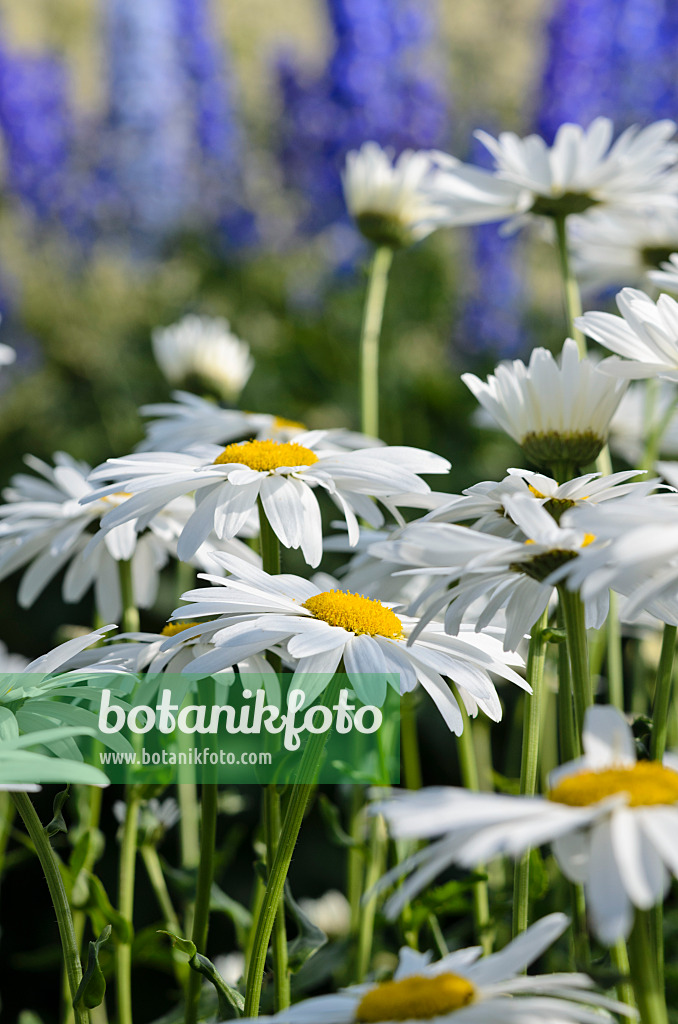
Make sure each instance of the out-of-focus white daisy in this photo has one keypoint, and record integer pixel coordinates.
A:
(203, 350)
(330, 912)
(666, 277)
(391, 202)
(250, 612)
(557, 411)
(190, 420)
(465, 988)
(231, 967)
(11, 662)
(636, 553)
(646, 335)
(44, 526)
(500, 572)
(583, 168)
(647, 408)
(612, 822)
(621, 247)
(229, 482)
(7, 355)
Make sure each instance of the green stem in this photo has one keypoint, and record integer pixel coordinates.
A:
(570, 746)
(575, 626)
(409, 742)
(203, 892)
(271, 562)
(356, 861)
(660, 723)
(187, 794)
(620, 959)
(149, 855)
(615, 671)
(300, 795)
(123, 952)
(376, 865)
(530, 762)
(650, 996)
(281, 973)
(662, 694)
(130, 612)
(570, 287)
(57, 892)
(7, 810)
(369, 340)
(469, 776)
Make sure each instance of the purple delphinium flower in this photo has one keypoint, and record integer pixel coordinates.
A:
(376, 86)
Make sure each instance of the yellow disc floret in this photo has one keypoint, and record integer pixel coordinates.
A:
(172, 628)
(280, 423)
(415, 998)
(265, 456)
(355, 613)
(646, 784)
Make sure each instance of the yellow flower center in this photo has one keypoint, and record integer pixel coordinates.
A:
(646, 784)
(172, 628)
(267, 455)
(117, 497)
(355, 613)
(415, 998)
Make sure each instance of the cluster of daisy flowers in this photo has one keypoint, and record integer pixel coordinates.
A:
(449, 595)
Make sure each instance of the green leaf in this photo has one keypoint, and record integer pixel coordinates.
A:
(92, 988)
(20, 766)
(58, 823)
(99, 901)
(228, 998)
(309, 939)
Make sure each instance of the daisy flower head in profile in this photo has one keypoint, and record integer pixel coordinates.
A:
(666, 278)
(392, 201)
(492, 572)
(191, 420)
(558, 411)
(583, 168)
(229, 483)
(645, 336)
(611, 821)
(622, 247)
(317, 631)
(465, 988)
(203, 351)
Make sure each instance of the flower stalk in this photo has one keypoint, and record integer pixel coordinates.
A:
(571, 294)
(469, 776)
(577, 647)
(536, 658)
(650, 996)
(127, 869)
(57, 892)
(369, 339)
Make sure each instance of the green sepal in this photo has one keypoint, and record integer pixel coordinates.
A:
(58, 822)
(92, 988)
(228, 997)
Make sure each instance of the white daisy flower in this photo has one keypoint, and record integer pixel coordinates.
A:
(44, 526)
(205, 350)
(621, 247)
(250, 612)
(229, 483)
(497, 571)
(583, 168)
(612, 822)
(465, 988)
(483, 503)
(666, 277)
(646, 335)
(647, 409)
(190, 420)
(392, 203)
(557, 411)
(330, 912)
(636, 553)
